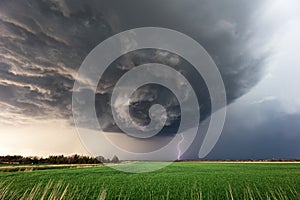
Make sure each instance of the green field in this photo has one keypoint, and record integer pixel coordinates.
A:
(183, 180)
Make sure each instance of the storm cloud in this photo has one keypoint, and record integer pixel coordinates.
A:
(44, 42)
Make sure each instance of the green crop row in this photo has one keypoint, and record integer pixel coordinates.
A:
(184, 180)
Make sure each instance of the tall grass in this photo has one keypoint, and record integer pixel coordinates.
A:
(179, 181)
(60, 190)
(51, 191)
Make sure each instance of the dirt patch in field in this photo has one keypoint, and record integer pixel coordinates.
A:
(28, 168)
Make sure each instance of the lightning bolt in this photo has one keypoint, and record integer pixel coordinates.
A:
(178, 147)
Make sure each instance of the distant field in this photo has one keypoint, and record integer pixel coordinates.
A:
(183, 180)
(15, 168)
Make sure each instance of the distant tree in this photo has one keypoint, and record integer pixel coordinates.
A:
(75, 159)
(35, 160)
(101, 159)
(115, 159)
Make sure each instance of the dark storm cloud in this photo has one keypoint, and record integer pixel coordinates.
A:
(228, 36)
(267, 132)
(42, 45)
(226, 29)
(44, 42)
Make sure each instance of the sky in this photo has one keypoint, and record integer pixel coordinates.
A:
(254, 45)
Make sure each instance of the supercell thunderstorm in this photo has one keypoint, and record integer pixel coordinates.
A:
(42, 44)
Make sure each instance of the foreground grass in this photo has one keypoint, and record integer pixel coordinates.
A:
(178, 181)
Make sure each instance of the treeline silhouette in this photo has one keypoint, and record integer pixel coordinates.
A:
(61, 159)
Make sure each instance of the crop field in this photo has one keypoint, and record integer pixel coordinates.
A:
(180, 180)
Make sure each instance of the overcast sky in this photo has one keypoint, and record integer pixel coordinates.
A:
(255, 45)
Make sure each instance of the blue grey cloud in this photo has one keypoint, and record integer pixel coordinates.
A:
(44, 42)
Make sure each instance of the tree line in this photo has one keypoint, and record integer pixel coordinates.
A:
(61, 159)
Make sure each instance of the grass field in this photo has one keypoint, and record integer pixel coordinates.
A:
(183, 180)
